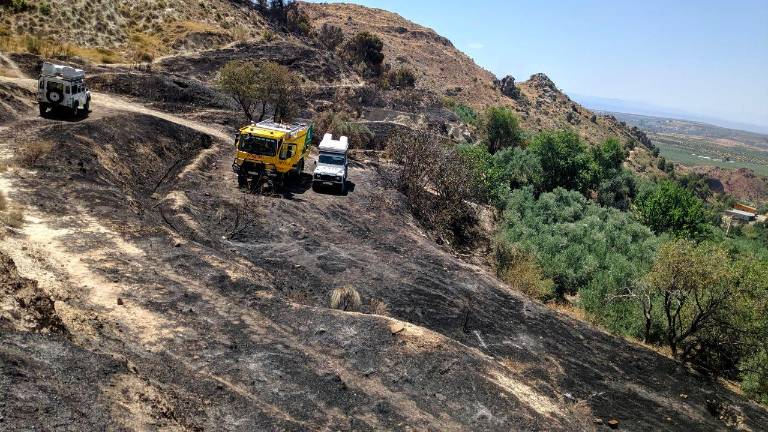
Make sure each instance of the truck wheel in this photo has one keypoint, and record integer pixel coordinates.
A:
(43, 109)
(75, 110)
(343, 187)
(314, 187)
(87, 107)
(242, 181)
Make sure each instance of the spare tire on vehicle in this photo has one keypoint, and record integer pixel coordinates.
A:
(55, 96)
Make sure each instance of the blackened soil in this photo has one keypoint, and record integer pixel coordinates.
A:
(193, 305)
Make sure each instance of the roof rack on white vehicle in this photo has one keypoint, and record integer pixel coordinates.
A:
(328, 144)
(60, 71)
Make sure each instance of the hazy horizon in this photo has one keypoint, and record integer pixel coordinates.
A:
(708, 59)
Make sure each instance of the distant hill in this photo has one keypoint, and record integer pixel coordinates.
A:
(651, 110)
(725, 136)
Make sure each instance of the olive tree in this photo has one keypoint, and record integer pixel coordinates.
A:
(260, 85)
(694, 284)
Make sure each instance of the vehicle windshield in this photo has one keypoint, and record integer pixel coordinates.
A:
(329, 159)
(258, 145)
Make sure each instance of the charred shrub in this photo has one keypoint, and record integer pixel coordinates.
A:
(437, 181)
(341, 123)
(365, 51)
(330, 36)
(400, 78)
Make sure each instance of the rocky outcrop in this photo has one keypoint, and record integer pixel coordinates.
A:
(542, 82)
(507, 87)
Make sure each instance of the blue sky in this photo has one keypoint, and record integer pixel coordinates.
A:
(707, 58)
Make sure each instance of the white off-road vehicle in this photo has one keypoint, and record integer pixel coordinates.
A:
(63, 88)
(331, 168)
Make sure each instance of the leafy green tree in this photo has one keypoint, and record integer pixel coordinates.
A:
(714, 310)
(694, 283)
(609, 157)
(260, 84)
(564, 160)
(671, 208)
(502, 129)
(240, 80)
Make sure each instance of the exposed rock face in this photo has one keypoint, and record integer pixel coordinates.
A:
(507, 87)
(542, 82)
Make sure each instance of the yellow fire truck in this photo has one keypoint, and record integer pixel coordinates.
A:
(269, 152)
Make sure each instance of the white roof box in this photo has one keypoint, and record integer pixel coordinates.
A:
(328, 144)
(66, 72)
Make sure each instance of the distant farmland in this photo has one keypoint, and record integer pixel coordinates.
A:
(693, 143)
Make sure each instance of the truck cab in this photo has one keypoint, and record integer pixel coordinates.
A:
(332, 164)
(272, 151)
(62, 87)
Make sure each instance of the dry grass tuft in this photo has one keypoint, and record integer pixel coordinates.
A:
(29, 155)
(580, 413)
(345, 298)
(378, 307)
(13, 218)
(521, 271)
(570, 310)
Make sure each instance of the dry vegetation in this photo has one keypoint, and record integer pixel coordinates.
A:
(345, 298)
(10, 215)
(29, 155)
(106, 31)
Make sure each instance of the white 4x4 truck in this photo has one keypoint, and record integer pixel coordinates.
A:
(62, 88)
(331, 168)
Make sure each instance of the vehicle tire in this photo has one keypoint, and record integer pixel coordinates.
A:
(87, 107)
(54, 97)
(242, 181)
(343, 187)
(314, 187)
(43, 109)
(75, 111)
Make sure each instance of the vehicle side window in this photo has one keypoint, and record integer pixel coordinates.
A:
(291, 150)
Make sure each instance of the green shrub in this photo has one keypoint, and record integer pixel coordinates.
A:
(502, 129)
(618, 191)
(466, 114)
(45, 8)
(574, 240)
(670, 208)
(564, 160)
